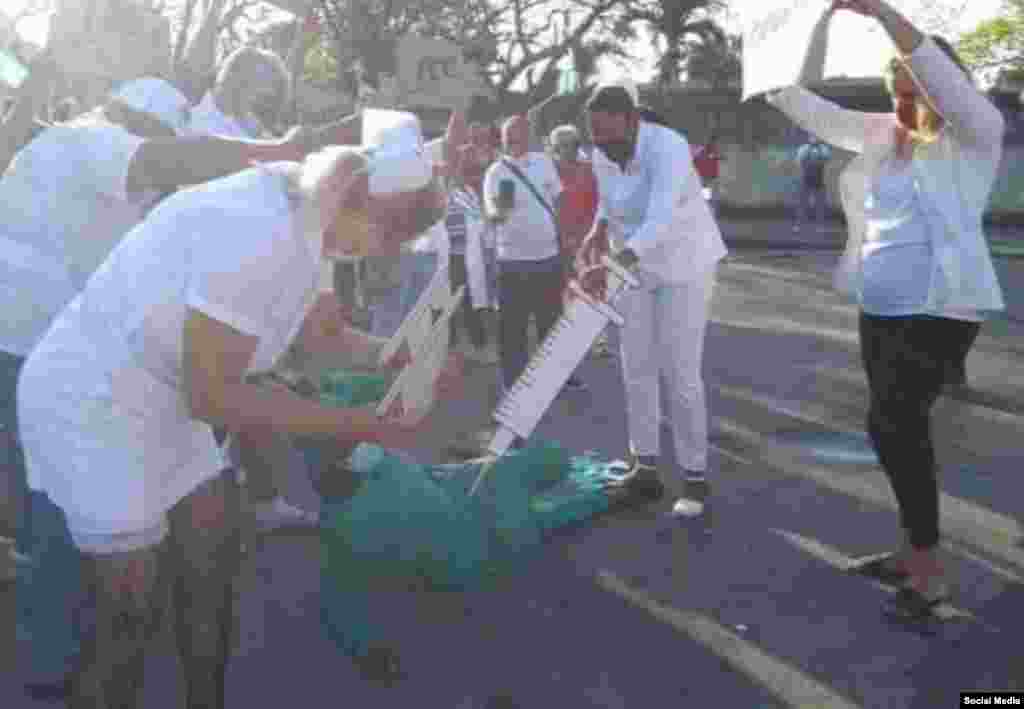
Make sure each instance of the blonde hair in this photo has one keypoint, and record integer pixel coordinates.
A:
(929, 121)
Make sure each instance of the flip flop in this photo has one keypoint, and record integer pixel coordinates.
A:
(877, 568)
(911, 605)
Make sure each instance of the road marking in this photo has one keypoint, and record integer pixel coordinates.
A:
(996, 535)
(784, 681)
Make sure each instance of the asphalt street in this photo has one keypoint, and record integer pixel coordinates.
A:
(747, 606)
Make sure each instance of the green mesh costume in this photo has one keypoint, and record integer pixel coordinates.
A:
(414, 527)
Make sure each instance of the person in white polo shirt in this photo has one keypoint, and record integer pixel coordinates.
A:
(653, 214)
(117, 401)
(521, 192)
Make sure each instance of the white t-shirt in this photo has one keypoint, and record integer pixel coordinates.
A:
(530, 233)
(65, 206)
(103, 418)
(206, 119)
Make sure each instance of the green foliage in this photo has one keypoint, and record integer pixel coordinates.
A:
(677, 22)
(321, 63)
(997, 43)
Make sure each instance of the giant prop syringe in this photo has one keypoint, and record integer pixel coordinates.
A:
(557, 357)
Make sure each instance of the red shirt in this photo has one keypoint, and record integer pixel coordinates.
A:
(578, 204)
(705, 160)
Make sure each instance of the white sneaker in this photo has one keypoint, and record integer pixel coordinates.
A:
(278, 514)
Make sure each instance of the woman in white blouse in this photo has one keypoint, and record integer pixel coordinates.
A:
(916, 260)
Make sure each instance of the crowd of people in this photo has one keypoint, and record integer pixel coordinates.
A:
(157, 254)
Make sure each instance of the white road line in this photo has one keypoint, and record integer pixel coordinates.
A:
(783, 680)
(976, 526)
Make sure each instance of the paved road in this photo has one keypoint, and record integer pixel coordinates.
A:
(744, 608)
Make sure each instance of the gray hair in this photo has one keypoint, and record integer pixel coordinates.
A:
(325, 164)
(246, 66)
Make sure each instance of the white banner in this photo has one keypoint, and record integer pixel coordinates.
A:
(776, 35)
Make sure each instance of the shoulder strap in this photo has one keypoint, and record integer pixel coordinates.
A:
(514, 169)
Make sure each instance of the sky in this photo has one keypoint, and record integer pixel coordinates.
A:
(855, 46)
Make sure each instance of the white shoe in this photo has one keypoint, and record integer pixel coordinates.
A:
(278, 514)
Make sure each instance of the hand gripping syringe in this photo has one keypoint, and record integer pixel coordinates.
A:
(557, 357)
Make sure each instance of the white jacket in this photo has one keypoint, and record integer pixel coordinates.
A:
(679, 239)
(953, 177)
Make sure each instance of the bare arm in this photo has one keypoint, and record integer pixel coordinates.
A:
(167, 163)
(813, 69)
(972, 117)
(216, 358)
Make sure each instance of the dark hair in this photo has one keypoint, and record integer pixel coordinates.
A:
(611, 99)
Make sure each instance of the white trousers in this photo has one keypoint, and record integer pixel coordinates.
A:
(663, 343)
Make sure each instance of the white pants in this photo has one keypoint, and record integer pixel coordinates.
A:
(663, 341)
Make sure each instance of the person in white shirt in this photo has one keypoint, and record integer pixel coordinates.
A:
(916, 260)
(251, 88)
(652, 214)
(71, 193)
(117, 401)
(246, 100)
(465, 225)
(521, 192)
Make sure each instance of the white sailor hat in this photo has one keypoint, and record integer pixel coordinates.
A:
(157, 98)
(397, 156)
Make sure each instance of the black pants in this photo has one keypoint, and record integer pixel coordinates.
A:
(526, 288)
(907, 360)
(466, 317)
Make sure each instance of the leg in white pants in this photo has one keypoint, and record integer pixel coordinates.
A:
(664, 336)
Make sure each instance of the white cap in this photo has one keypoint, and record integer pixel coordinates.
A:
(398, 160)
(157, 98)
(623, 82)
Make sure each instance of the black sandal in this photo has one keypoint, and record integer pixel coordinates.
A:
(911, 605)
(877, 567)
(639, 486)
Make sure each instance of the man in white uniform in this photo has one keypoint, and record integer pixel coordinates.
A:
(251, 89)
(246, 100)
(117, 401)
(69, 196)
(654, 216)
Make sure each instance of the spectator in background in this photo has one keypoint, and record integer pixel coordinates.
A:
(482, 154)
(578, 206)
(707, 160)
(247, 98)
(465, 225)
(812, 158)
(521, 193)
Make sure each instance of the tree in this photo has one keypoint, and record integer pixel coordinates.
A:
(516, 41)
(675, 22)
(997, 44)
(716, 60)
